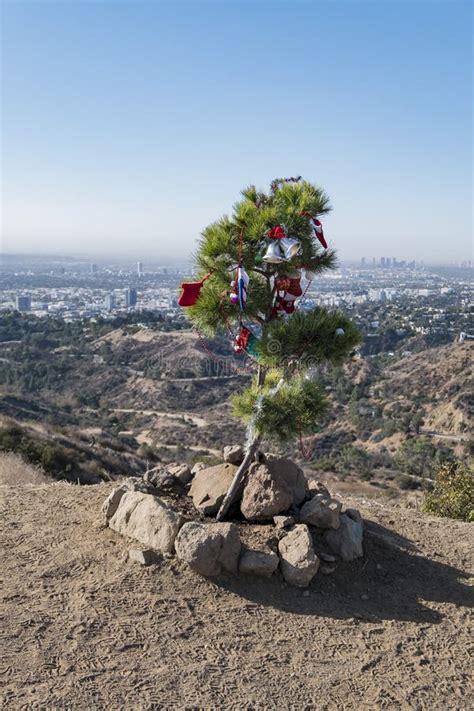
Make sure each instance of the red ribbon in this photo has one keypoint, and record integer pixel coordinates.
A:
(276, 233)
(318, 229)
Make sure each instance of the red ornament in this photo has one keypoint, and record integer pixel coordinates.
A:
(190, 293)
(318, 229)
(276, 233)
(294, 287)
(241, 341)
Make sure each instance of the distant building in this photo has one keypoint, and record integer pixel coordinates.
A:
(23, 303)
(93, 268)
(382, 261)
(140, 269)
(362, 262)
(131, 297)
(109, 302)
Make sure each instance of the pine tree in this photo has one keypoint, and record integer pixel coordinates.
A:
(251, 267)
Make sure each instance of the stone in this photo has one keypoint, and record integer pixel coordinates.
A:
(234, 454)
(346, 541)
(271, 488)
(181, 472)
(258, 563)
(132, 483)
(207, 548)
(197, 467)
(110, 505)
(144, 557)
(298, 561)
(321, 511)
(326, 569)
(317, 487)
(283, 521)
(327, 558)
(147, 519)
(165, 482)
(231, 546)
(209, 487)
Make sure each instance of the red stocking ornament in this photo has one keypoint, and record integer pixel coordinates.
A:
(190, 293)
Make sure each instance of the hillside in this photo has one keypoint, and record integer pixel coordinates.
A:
(85, 628)
(111, 400)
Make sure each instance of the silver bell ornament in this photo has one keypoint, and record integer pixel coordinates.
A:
(340, 332)
(290, 247)
(274, 255)
(309, 276)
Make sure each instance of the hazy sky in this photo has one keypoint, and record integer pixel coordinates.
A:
(128, 126)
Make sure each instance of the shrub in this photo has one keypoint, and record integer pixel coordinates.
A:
(453, 493)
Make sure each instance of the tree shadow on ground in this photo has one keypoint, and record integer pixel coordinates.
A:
(399, 582)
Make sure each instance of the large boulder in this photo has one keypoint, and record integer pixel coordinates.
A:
(209, 548)
(234, 454)
(209, 487)
(272, 487)
(346, 541)
(111, 503)
(181, 472)
(298, 561)
(258, 563)
(146, 519)
(321, 511)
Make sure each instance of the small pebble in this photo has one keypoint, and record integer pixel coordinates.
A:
(305, 593)
(327, 558)
(364, 597)
(326, 569)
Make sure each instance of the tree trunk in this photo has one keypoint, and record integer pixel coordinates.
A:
(252, 446)
(238, 479)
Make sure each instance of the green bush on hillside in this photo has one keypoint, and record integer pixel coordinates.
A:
(453, 492)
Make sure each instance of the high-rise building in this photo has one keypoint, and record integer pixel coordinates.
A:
(362, 262)
(93, 268)
(109, 302)
(140, 269)
(388, 262)
(373, 261)
(382, 261)
(130, 297)
(23, 303)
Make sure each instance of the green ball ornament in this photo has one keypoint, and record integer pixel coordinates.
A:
(259, 259)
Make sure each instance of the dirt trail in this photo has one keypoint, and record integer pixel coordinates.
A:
(85, 629)
(194, 419)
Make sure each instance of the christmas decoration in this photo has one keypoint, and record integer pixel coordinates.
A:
(266, 243)
(318, 228)
(242, 284)
(241, 340)
(274, 255)
(191, 291)
(290, 247)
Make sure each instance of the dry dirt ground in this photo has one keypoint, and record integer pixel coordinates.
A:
(84, 628)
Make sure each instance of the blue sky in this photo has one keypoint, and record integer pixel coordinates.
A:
(128, 126)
